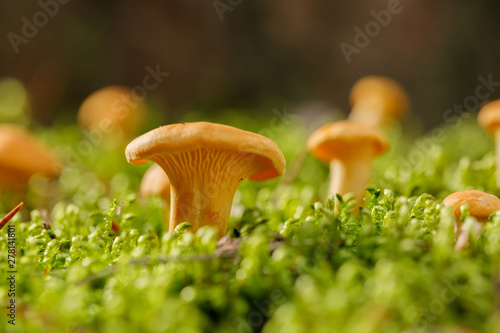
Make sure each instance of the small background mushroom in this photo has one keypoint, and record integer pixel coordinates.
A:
(115, 112)
(349, 147)
(481, 205)
(378, 100)
(156, 182)
(489, 119)
(21, 157)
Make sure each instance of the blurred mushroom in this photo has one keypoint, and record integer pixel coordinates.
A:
(481, 205)
(156, 182)
(205, 163)
(377, 100)
(111, 115)
(489, 119)
(21, 157)
(349, 147)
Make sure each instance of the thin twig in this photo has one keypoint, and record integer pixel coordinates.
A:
(9, 216)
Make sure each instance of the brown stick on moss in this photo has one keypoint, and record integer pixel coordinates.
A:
(9, 216)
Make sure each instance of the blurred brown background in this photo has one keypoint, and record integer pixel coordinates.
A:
(260, 53)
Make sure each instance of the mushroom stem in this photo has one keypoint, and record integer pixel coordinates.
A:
(463, 234)
(201, 205)
(202, 193)
(377, 100)
(368, 113)
(351, 173)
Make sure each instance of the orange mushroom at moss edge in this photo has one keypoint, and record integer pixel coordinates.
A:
(22, 156)
(349, 147)
(156, 183)
(376, 100)
(489, 119)
(205, 163)
(481, 206)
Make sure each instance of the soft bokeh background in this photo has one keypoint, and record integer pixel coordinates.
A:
(263, 54)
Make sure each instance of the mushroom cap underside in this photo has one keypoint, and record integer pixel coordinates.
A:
(336, 139)
(481, 204)
(178, 138)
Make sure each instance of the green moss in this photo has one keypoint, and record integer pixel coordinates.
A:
(107, 264)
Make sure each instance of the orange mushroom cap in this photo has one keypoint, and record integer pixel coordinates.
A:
(380, 93)
(177, 138)
(21, 156)
(336, 139)
(481, 204)
(111, 109)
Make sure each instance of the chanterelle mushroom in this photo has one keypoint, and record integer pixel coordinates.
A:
(349, 147)
(112, 114)
(205, 163)
(489, 119)
(377, 99)
(481, 205)
(21, 157)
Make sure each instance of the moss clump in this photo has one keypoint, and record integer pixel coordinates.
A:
(92, 263)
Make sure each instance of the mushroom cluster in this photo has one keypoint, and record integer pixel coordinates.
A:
(350, 146)
(205, 164)
(199, 166)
